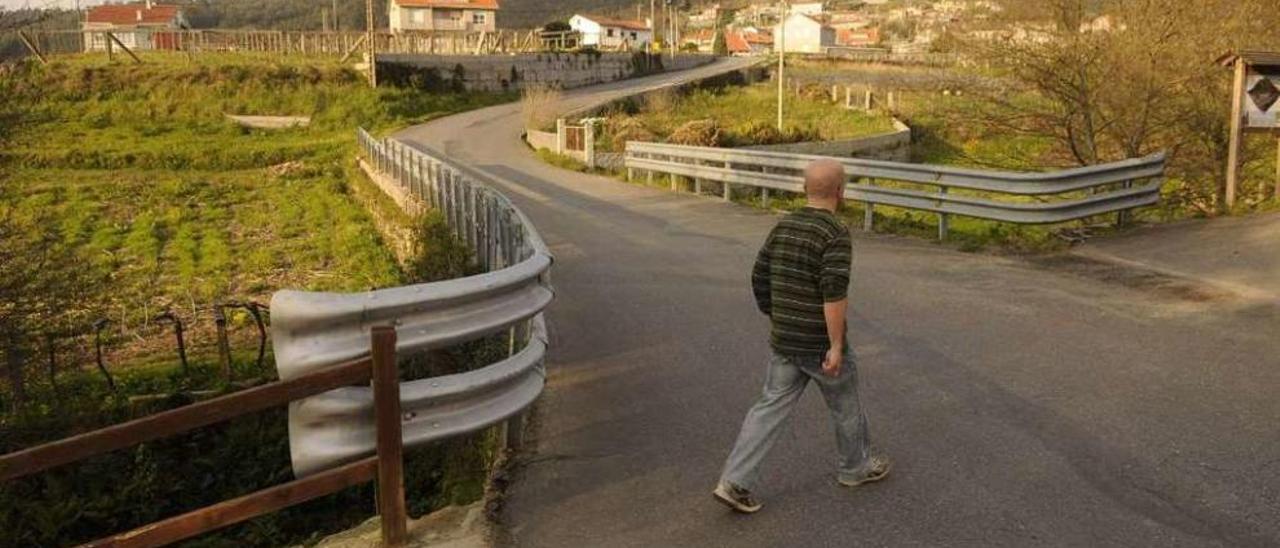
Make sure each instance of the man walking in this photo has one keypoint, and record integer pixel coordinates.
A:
(801, 281)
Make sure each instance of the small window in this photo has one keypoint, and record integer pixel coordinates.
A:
(478, 18)
(633, 35)
(610, 33)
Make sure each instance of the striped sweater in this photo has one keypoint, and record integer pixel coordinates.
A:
(804, 263)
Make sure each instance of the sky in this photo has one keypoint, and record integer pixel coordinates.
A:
(16, 4)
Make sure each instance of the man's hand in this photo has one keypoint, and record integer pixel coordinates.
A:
(831, 364)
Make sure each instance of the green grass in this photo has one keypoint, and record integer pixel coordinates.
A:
(747, 115)
(139, 172)
(145, 177)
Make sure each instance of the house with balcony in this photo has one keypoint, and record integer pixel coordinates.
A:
(443, 15)
(141, 26)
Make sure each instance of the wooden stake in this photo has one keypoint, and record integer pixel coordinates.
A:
(1236, 137)
(386, 406)
(31, 45)
(112, 37)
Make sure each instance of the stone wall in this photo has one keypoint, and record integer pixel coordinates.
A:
(894, 146)
(515, 72)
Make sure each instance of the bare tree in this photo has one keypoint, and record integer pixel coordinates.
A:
(1114, 79)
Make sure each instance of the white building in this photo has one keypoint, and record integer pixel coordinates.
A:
(607, 32)
(137, 26)
(443, 15)
(803, 34)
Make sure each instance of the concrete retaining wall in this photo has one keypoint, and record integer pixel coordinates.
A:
(541, 139)
(894, 146)
(515, 72)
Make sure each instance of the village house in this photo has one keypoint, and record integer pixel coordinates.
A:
(607, 32)
(804, 34)
(858, 38)
(443, 15)
(141, 26)
(761, 43)
(706, 18)
(703, 39)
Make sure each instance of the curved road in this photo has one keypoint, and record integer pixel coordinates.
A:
(1023, 404)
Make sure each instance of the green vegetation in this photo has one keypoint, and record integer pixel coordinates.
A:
(561, 161)
(128, 182)
(733, 116)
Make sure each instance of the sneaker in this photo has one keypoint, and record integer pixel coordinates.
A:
(877, 469)
(736, 498)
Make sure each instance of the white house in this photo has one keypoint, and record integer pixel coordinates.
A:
(607, 32)
(137, 26)
(443, 15)
(803, 34)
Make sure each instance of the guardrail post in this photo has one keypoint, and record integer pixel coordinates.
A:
(386, 405)
(728, 192)
(764, 197)
(513, 429)
(868, 214)
(944, 223)
(1123, 216)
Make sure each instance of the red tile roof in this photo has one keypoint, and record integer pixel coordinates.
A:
(133, 14)
(736, 43)
(858, 37)
(629, 24)
(459, 4)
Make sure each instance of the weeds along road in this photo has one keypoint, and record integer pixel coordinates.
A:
(1023, 405)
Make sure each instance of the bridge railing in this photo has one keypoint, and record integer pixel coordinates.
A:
(311, 331)
(1023, 198)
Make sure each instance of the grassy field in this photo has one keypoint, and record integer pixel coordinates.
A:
(742, 115)
(136, 169)
(146, 178)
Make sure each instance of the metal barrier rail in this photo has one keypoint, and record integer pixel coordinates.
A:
(1111, 187)
(311, 331)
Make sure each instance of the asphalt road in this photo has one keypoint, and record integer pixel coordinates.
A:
(1023, 405)
(1240, 255)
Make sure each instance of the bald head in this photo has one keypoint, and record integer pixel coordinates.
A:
(824, 180)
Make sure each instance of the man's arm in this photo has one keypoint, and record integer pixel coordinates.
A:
(761, 276)
(834, 313)
(837, 259)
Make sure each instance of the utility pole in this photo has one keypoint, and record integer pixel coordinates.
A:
(370, 44)
(653, 25)
(334, 11)
(782, 59)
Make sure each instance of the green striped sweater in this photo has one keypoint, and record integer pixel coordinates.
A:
(804, 263)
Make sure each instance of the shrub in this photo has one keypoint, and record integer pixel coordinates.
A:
(704, 133)
(540, 106)
(626, 128)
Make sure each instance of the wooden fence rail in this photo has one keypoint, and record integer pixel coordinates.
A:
(301, 43)
(386, 465)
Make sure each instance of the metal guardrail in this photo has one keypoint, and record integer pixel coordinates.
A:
(1080, 192)
(311, 331)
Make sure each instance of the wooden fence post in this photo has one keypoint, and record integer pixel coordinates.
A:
(386, 406)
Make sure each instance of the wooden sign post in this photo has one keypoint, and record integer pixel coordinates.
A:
(1255, 107)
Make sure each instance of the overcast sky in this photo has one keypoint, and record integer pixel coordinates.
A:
(15, 4)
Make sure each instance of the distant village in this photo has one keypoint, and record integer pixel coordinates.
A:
(758, 28)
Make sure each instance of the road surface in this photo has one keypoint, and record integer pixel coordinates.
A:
(1240, 255)
(1023, 405)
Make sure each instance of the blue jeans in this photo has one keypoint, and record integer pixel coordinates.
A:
(787, 378)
